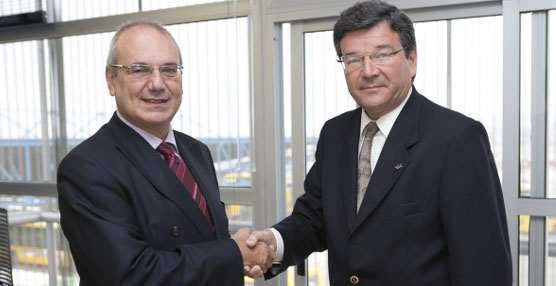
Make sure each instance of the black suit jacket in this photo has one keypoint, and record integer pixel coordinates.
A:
(433, 213)
(130, 221)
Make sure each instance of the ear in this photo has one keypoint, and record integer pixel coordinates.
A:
(413, 62)
(110, 80)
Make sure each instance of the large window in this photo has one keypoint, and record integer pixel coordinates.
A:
(537, 238)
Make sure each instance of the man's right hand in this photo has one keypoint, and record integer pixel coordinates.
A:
(257, 254)
(255, 238)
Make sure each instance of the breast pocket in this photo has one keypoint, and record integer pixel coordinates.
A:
(407, 209)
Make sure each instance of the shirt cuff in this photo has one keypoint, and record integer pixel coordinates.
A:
(279, 246)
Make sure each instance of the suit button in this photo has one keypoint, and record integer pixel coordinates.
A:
(175, 231)
(354, 280)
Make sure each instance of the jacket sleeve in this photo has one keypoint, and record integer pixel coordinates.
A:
(109, 248)
(304, 231)
(473, 212)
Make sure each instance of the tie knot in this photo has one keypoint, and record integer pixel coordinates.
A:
(165, 149)
(370, 130)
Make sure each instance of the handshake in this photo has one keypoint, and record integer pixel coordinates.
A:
(258, 249)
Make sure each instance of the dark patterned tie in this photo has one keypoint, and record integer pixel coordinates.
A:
(184, 175)
(364, 166)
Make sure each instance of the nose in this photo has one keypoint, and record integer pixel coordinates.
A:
(368, 68)
(155, 81)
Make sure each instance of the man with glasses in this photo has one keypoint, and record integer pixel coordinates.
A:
(140, 202)
(403, 191)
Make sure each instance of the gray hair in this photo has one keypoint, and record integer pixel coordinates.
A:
(367, 14)
(113, 53)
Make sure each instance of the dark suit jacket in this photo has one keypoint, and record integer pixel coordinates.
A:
(433, 213)
(130, 221)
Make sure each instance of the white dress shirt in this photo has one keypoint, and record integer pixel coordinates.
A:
(151, 139)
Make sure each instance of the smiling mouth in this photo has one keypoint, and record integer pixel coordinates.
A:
(155, 100)
(370, 87)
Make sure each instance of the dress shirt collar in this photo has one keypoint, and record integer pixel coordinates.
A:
(151, 139)
(385, 122)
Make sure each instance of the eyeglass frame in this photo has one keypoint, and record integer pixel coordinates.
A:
(128, 68)
(388, 56)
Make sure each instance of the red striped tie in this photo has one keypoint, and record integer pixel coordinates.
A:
(184, 175)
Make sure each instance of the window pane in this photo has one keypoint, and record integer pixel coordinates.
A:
(525, 106)
(533, 111)
(326, 93)
(523, 272)
(164, 4)
(477, 71)
(551, 108)
(25, 147)
(551, 253)
(13, 7)
(88, 102)
(432, 60)
(82, 9)
(287, 200)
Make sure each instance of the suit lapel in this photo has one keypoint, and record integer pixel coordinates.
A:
(154, 169)
(348, 168)
(394, 158)
(206, 185)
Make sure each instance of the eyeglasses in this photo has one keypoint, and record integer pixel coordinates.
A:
(354, 62)
(144, 71)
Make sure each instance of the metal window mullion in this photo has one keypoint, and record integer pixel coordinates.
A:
(298, 121)
(537, 232)
(237, 196)
(58, 100)
(46, 161)
(59, 133)
(537, 207)
(268, 173)
(45, 151)
(511, 139)
(279, 121)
